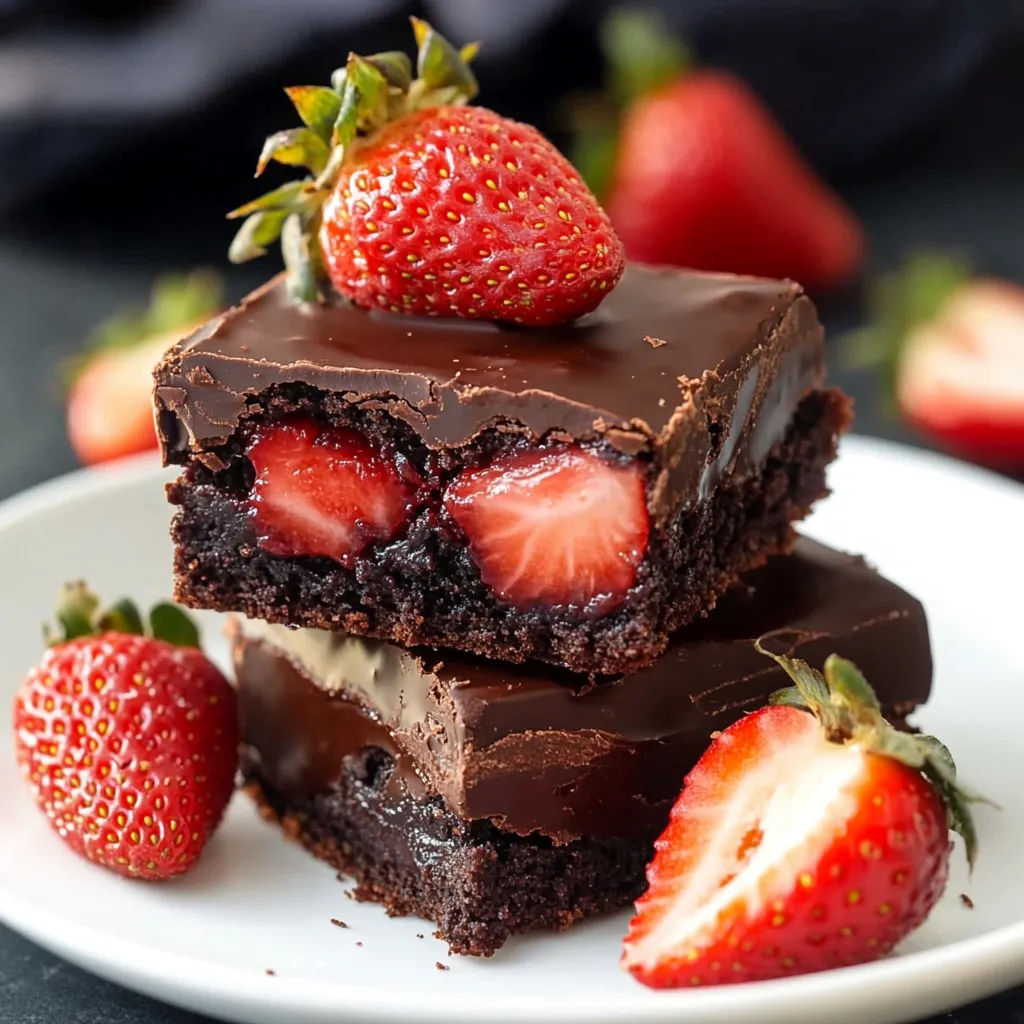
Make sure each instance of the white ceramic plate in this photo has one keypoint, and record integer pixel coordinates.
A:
(953, 535)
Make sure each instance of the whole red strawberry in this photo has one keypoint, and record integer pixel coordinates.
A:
(128, 742)
(425, 206)
(810, 835)
(700, 174)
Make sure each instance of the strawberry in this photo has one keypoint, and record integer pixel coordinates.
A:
(699, 173)
(557, 526)
(128, 742)
(323, 491)
(810, 835)
(422, 205)
(110, 400)
(955, 348)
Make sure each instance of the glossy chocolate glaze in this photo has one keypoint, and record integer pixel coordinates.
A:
(671, 363)
(538, 751)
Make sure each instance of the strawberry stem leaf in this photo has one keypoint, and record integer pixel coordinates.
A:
(318, 107)
(77, 606)
(809, 683)
(439, 64)
(121, 617)
(396, 68)
(297, 147)
(79, 614)
(169, 623)
(842, 677)
(259, 230)
(788, 697)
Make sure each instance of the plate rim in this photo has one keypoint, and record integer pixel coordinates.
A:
(976, 966)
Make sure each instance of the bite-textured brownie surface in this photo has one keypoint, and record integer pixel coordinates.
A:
(537, 751)
(707, 389)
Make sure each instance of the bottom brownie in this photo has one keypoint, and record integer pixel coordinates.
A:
(479, 884)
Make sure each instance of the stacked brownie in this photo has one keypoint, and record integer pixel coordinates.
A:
(498, 586)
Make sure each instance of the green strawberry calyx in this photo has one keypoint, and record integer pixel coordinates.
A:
(848, 709)
(364, 95)
(80, 614)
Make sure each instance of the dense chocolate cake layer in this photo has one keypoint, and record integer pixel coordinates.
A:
(538, 751)
(479, 884)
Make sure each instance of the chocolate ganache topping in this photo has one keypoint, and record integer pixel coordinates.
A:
(539, 751)
(701, 371)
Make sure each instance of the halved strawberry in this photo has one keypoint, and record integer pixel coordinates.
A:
(558, 526)
(961, 375)
(323, 491)
(800, 842)
(951, 344)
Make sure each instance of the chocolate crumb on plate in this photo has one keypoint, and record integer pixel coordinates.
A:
(966, 901)
(442, 967)
(337, 923)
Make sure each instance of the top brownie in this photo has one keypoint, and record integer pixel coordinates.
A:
(572, 494)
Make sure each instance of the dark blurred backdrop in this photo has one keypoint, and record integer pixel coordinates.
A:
(128, 128)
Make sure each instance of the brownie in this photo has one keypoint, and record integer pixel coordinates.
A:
(495, 799)
(709, 387)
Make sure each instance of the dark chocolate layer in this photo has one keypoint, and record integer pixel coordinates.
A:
(702, 371)
(536, 750)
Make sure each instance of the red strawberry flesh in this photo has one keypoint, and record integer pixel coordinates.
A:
(323, 491)
(560, 526)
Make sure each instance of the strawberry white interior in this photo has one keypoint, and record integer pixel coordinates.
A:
(796, 793)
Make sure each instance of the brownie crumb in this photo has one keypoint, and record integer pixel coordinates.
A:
(442, 967)
(337, 923)
(419, 935)
(270, 972)
(966, 901)
(358, 943)
(653, 342)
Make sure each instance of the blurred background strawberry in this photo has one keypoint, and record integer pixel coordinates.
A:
(110, 384)
(696, 171)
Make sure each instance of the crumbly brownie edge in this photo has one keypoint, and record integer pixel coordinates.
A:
(425, 590)
(478, 884)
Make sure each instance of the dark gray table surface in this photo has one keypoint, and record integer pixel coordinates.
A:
(56, 280)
